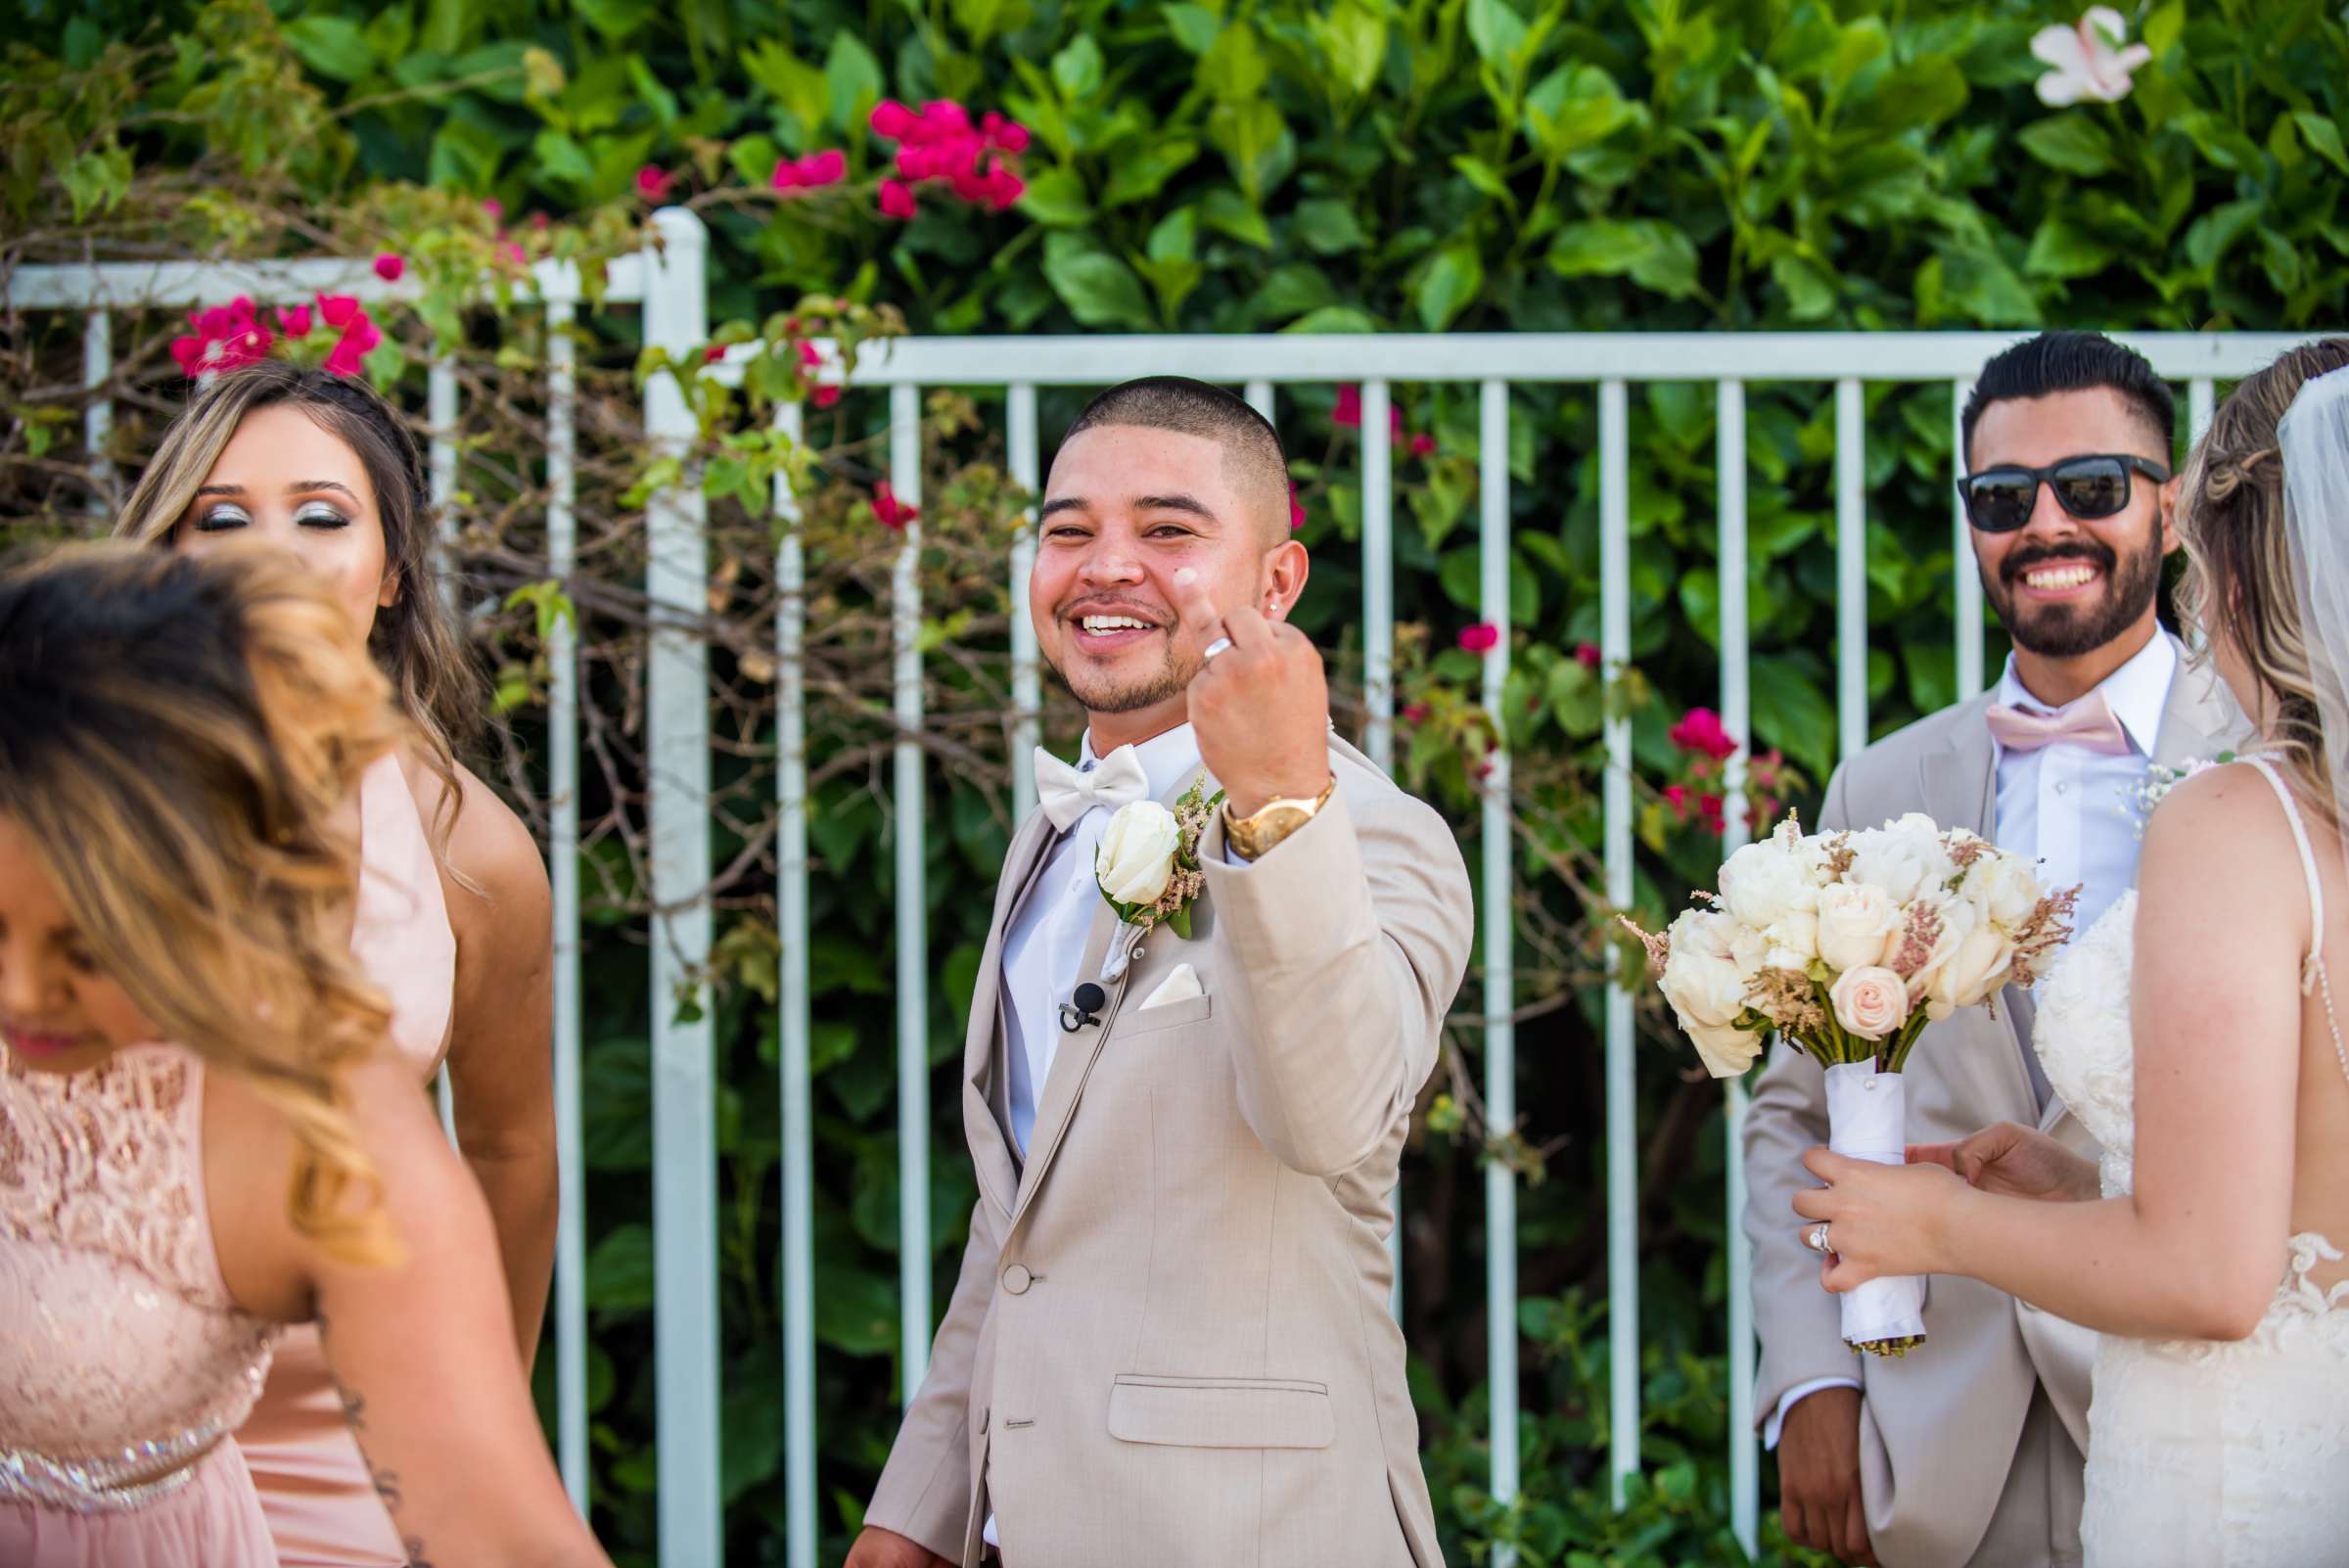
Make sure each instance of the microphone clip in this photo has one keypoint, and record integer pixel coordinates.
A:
(1082, 1007)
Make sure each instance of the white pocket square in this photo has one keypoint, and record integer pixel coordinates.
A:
(1180, 986)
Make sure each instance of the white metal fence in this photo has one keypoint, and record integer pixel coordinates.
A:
(670, 281)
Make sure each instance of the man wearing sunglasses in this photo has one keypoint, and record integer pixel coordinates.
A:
(1969, 1453)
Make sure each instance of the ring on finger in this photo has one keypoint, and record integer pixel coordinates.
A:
(1815, 1238)
(1208, 653)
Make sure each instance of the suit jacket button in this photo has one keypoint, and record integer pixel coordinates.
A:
(1016, 1280)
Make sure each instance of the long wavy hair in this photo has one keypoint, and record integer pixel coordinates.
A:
(2238, 579)
(176, 737)
(433, 679)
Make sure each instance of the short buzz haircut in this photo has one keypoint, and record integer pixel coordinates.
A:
(2073, 361)
(1253, 459)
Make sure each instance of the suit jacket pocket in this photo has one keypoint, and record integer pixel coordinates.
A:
(1221, 1412)
(1167, 1015)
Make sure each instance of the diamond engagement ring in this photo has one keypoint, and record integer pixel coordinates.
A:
(1213, 648)
(1815, 1238)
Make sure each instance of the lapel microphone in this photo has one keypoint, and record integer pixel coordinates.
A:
(1082, 1007)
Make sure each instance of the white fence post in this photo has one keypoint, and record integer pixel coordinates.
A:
(795, 1025)
(685, 1320)
(911, 897)
(1622, 1081)
(1499, 921)
(1745, 1471)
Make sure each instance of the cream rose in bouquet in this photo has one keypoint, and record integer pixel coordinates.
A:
(1848, 945)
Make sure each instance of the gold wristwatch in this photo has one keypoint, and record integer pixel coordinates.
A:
(1253, 836)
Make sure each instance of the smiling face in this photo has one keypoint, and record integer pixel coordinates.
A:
(286, 479)
(1125, 508)
(58, 1011)
(2063, 586)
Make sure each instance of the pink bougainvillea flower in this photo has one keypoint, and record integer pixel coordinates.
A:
(896, 198)
(714, 353)
(294, 321)
(1423, 445)
(944, 118)
(1006, 135)
(895, 120)
(653, 182)
(1700, 731)
(495, 208)
(388, 267)
(1676, 796)
(1587, 655)
(540, 221)
(344, 313)
(1709, 808)
(1349, 411)
(511, 252)
(2091, 59)
(1296, 509)
(1415, 713)
(812, 362)
(892, 512)
(809, 173)
(1482, 638)
(225, 337)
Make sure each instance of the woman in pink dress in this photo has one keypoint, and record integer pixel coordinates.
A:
(181, 748)
(455, 919)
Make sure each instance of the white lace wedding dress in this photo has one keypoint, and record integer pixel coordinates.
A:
(2201, 1454)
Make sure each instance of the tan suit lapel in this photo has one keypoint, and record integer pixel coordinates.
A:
(1073, 1062)
(2200, 720)
(986, 1085)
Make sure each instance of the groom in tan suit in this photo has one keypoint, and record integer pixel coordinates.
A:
(1968, 1451)
(1169, 1342)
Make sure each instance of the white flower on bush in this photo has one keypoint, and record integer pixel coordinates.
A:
(1137, 852)
(1904, 858)
(2091, 59)
(1859, 924)
(1870, 1002)
(2002, 888)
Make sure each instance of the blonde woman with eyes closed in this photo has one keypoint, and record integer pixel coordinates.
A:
(203, 1136)
(458, 927)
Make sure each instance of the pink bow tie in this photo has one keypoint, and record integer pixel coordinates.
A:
(2087, 722)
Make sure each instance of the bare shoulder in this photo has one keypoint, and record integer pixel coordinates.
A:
(2224, 834)
(490, 845)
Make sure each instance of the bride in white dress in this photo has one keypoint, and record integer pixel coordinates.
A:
(2194, 1032)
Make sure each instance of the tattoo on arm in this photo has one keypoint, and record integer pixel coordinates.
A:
(387, 1482)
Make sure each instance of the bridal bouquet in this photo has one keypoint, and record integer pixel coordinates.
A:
(1848, 945)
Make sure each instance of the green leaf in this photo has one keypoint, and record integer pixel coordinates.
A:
(1194, 28)
(1328, 226)
(1294, 291)
(798, 88)
(562, 160)
(1228, 210)
(616, 20)
(1143, 172)
(1449, 285)
(1790, 712)
(2216, 232)
(1077, 69)
(332, 46)
(1484, 176)
(1496, 30)
(2061, 249)
(1809, 286)
(1055, 198)
(1334, 318)
(1098, 289)
(620, 1272)
(854, 77)
(2324, 138)
(2070, 142)
(1354, 39)
(855, 1310)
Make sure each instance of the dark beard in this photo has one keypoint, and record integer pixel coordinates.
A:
(1167, 684)
(2132, 584)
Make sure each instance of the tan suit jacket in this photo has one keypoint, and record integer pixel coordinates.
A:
(1938, 1428)
(1169, 1342)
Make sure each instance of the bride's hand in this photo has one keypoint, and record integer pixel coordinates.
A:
(2016, 1160)
(1881, 1218)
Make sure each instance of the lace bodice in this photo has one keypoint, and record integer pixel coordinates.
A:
(2229, 1454)
(121, 1356)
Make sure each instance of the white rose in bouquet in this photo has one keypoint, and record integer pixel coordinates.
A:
(1870, 1002)
(1971, 972)
(1763, 883)
(1137, 852)
(1859, 925)
(1706, 982)
(1726, 1052)
(1904, 859)
(2004, 888)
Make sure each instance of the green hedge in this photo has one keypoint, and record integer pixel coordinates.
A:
(1363, 165)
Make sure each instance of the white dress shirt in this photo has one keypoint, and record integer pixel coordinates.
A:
(2075, 811)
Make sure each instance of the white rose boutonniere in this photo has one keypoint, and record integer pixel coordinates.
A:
(1148, 864)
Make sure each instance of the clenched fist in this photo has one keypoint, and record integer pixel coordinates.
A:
(1261, 707)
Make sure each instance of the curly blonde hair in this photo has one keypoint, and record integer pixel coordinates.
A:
(2238, 577)
(176, 737)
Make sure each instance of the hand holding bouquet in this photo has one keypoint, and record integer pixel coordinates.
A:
(1848, 945)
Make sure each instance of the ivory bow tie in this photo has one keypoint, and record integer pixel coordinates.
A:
(1066, 793)
(2087, 722)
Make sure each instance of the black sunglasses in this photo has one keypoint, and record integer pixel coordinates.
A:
(2000, 499)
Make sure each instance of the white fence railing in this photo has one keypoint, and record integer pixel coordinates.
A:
(669, 279)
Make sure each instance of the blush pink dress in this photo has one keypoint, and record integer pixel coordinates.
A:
(124, 1362)
(314, 1488)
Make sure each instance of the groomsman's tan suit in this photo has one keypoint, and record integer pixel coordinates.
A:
(1170, 1344)
(1949, 1436)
